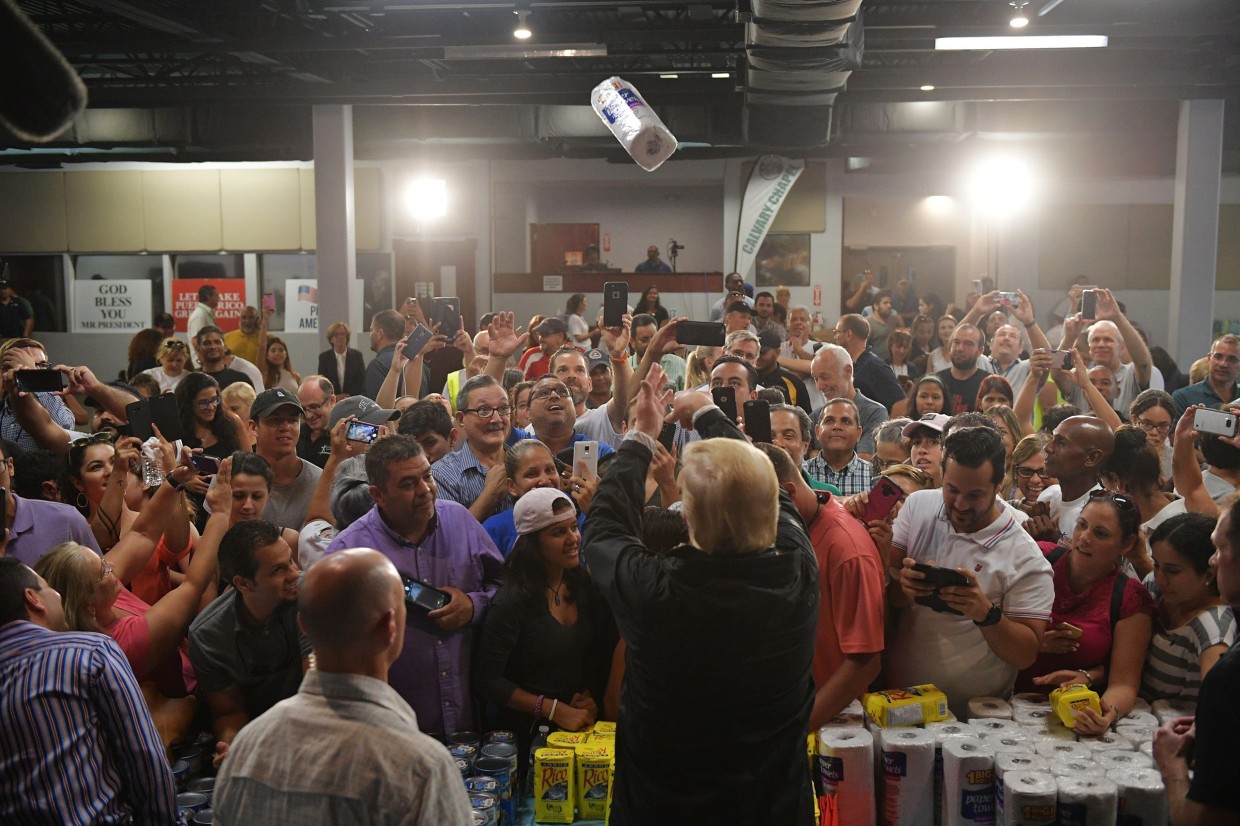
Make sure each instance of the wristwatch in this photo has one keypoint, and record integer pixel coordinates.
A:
(992, 617)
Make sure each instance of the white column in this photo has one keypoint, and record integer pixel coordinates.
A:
(335, 238)
(1194, 228)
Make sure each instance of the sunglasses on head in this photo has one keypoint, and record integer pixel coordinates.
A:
(103, 437)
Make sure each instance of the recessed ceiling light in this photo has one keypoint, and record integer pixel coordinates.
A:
(720, 74)
(669, 77)
(522, 31)
(1019, 19)
(927, 88)
(1027, 41)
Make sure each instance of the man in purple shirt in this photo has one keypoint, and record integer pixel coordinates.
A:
(56, 522)
(441, 544)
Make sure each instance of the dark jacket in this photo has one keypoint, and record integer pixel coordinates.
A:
(354, 370)
(718, 690)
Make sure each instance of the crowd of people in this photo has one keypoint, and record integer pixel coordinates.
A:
(572, 529)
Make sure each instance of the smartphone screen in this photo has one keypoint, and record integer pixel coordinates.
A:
(361, 432)
(269, 301)
(448, 313)
(423, 595)
(758, 420)
(1062, 360)
(725, 398)
(40, 381)
(667, 435)
(206, 465)
(417, 340)
(615, 302)
(1089, 305)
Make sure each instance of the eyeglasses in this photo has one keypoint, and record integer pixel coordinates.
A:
(107, 568)
(550, 392)
(1026, 472)
(174, 345)
(313, 408)
(207, 404)
(1122, 500)
(103, 437)
(486, 412)
(1150, 427)
(43, 365)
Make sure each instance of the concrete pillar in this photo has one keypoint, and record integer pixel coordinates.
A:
(335, 238)
(1194, 228)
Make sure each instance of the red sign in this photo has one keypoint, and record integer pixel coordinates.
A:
(817, 295)
(227, 311)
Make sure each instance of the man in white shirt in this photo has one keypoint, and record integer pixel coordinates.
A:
(995, 623)
(204, 313)
(734, 290)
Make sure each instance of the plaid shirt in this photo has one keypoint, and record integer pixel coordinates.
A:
(855, 477)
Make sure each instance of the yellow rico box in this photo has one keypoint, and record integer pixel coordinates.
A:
(914, 706)
(1069, 699)
(554, 799)
(594, 765)
(567, 739)
(603, 727)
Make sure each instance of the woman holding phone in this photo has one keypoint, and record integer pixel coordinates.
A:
(1101, 620)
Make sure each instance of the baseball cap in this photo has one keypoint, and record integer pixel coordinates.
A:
(769, 340)
(361, 408)
(551, 325)
(934, 421)
(594, 358)
(266, 402)
(4, 282)
(536, 510)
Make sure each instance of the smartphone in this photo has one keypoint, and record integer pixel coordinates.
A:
(204, 464)
(725, 398)
(160, 411)
(1070, 630)
(884, 496)
(1008, 299)
(586, 453)
(667, 435)
(706, 333)
(1062, 360)
(418, 339)
(940, 578)
(1089, 305)
(1217, 422)
(424, 596)
(361, 432)
(615, 302)
(269, 301)
(40, 381)
(977, 286)
(758, 420)
(448, 313)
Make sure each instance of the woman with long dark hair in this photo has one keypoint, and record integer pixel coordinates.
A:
(649, 304)
(548, 635)
(142, 349)
(277, 367)
(205, 422)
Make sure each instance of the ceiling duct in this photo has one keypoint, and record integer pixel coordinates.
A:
(800, 54)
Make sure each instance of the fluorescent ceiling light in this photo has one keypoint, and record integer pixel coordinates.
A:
(927, 88)
(669, 77)
(720, 74)
(1028, 41)
(517, 52)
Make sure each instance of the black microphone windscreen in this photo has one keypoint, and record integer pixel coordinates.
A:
(40, 93)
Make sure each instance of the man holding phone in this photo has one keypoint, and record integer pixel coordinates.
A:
(1003, 611)
(1219, 385)
(1109, 336)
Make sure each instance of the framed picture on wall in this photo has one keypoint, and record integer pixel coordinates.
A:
(783, 259)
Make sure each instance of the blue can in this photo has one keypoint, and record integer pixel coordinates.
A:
(500, 769)
(488, 804)
(505, 751)
(499, 736)
(464, 751)
(204, 818)
(469, 738)
(481, 783)
(180, 771)
(190, 802)
(202, 785)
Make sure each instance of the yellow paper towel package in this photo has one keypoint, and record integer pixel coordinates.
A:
(914, 706)
(1069, 699)
(594, 762)
(554, 799)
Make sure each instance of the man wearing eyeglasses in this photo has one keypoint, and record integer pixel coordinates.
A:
(474, 475)
(317, 395)
(1219, 385)
(553, 416)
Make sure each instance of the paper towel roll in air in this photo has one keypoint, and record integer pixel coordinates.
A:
(1142, 797)
(968, 782)
(1115, 760)
(1087, 801)
(1137, 718)
(908, 776)
(637, 127)
(995, 707)
(1136, 734)
(1030, 798)
(1014, 761)
(1108, 742)
(1166, 710)
(994, 725)
(846, 767)
(1060, 750)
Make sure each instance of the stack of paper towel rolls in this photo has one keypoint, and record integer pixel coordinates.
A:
(846, 768)
(908, 776)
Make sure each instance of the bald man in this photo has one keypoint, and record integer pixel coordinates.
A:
(352, 607)
(1078, 448)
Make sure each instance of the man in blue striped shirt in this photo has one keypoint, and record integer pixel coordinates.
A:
(77, 744)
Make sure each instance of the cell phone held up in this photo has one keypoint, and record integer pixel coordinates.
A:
(725, 400)
(1062, 360)
(758, 420)
(417, 340)
(448, 314)
(703, 333)
(357, 431)
(1216, 422)
(585, 453)
(615, 302)
(884, 496)
(40, 381)
(939, 578)
(423, 596)
(1089, 305)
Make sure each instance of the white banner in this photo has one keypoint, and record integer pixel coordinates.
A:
(111, 305)
(768, 185)
(301, 304)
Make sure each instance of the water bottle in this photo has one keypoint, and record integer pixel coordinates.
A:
(152, 467)
(540, 740)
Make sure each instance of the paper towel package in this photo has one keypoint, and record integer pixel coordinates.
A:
(1076, 767)
(1108, 742)
(1014, 761)
(1166, 710)
(633, 122)
(952, 729)
(913, 706)
(968, 782)
(1087, 801)
(1001, 741)
(908, 776)
(943, 732)
(1057, 750)
(1030, 798)
(846, 768)
(1136, 734)
(1142, 797)
(995, 725)
(1115, 760)
(996, 707)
